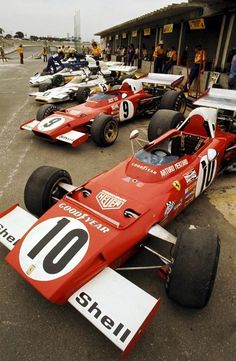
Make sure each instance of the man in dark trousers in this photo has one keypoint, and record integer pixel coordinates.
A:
(197, 67)
(158, 57)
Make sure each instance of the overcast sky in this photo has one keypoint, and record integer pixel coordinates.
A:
(55, 17)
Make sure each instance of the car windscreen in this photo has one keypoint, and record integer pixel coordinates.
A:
(155, 157)
(102, 96)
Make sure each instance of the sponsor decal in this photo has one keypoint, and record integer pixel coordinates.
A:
(179, 204)
(177, 185)
(169, 206)
(117, 328)
(189, 200)
(107, 200)
(173, 168)
(133, 181)
(190, 176)
(84, 217)
(53, 248)
(144, 167)
(4, 233)
(191, 187)
(189, 193)
(114, 106)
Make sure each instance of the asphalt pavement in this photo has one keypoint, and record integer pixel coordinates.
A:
(31, 328)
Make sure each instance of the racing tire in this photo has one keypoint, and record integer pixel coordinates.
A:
(82, 95)
(42, 186)
(162, 121)
(174, 100)
(191, 276)
(58, 80)
(44, 87)
(104, 130)
(45, 110)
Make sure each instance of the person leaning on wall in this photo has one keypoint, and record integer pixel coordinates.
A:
(232, 74)
(197, 67)
(158, 57)
(171, 60)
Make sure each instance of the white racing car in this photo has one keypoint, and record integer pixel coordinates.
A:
(82, 85)
(46, 81)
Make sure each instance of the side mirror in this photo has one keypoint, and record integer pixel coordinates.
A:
(211, 154)
(134, 134)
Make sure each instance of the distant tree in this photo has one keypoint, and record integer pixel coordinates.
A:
(33, 37)
(1, 31)
(19, 35)
(8, 36)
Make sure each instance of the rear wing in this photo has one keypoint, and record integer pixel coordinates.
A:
(118, 308)
(169, 80)
(218, 98)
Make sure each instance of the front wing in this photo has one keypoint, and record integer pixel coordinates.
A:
(118, 308)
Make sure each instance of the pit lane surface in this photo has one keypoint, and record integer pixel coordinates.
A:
(31, 328)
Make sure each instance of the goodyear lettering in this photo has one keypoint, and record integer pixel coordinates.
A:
(85, 300)
(84, 217)
(144, 167)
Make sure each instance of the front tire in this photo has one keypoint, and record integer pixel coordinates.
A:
(191, 277)
(104, 130)
(45, 110)
(42, 188)
(174, 100)
(162, 121)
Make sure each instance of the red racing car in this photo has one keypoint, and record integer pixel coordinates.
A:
(100, 115)
(83, 235)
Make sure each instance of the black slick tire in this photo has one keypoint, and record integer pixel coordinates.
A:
(44, 87)
(173, 100)
(58, 80)
(162, 121)
(104, 130)
(41, 186)
(45, 110)
(195, 259)
(82, 95)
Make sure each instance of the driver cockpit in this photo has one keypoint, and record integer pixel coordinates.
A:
(170, 149)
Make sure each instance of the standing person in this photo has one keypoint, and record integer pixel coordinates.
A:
(171, 60)
(2, 53)
(232, 74)
(130, 55)
(197, 67)
(45, 54)
(108, 53)
(20, 51)
(158, 57)
(96, 51)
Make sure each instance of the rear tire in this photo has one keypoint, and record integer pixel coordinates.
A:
(44, 87)
(162, 121)
(82, 94)
(45, 110)
(195, 259)
(104, 130)
(58, 80)
(41, 186)
(173, 100)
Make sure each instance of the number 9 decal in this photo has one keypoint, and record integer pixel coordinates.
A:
(126, 110)
(53, 248)
(50, 123)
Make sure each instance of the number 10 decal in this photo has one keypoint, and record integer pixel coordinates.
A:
(53, 248)
(207, 171)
